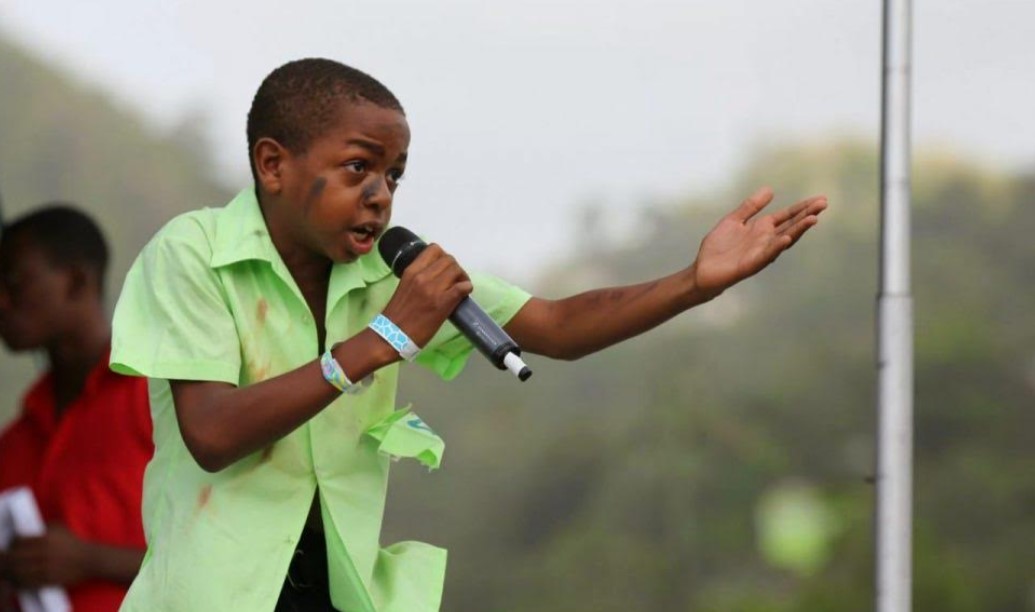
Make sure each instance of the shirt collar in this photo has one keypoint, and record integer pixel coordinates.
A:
(241, 235)
(40, 403)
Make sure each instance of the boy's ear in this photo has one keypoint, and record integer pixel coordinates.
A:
(269, 157)
(82, 281)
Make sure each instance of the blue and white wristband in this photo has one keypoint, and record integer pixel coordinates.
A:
(394, 336)
(333, 374)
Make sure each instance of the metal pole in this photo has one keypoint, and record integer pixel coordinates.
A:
(894, 475)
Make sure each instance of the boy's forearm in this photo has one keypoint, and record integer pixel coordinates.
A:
(114, 563)
(221, 423)
(588, 322)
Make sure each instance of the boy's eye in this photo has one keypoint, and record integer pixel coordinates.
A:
(395, 175)
(356, 165)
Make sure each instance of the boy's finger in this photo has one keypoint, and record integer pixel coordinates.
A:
(787, 222)
(812, 207)
(427, 257)
(754, 203)
(461, 289)
(445, 269)
(795, 231)
(791, 212)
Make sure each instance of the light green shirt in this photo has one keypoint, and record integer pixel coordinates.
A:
(209, 298)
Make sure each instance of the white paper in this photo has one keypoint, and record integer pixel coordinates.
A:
(20, 517)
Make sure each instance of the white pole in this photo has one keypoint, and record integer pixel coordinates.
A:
(894, 475)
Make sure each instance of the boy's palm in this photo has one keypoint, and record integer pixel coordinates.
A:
(743, 243)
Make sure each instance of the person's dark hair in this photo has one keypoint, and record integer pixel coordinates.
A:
(299, 100)
(66, 234)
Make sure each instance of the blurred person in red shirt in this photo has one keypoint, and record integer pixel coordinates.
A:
(83, 438)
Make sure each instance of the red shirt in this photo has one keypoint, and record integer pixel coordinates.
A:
(86, 468)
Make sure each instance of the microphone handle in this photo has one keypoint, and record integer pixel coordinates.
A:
(490, 339)
(483, 332)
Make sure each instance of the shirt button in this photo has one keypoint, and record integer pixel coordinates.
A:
(306, 318)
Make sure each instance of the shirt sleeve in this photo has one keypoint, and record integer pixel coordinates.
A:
(448, 350)
(171, 320)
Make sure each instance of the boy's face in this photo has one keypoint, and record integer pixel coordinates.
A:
(338, 194)
(34, 294)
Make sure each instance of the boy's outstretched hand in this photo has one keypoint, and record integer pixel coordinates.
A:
(741, 244)
(744, 242)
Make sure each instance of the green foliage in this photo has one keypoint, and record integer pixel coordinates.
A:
(61, 140)
(632, 480)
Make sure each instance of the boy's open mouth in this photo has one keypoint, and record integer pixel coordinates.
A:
(366, 231)
(364, 235)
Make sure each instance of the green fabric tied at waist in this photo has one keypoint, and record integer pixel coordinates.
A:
(404, 435)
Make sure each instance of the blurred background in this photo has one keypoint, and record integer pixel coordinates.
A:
(723, 461)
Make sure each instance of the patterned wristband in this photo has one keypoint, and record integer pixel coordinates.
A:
(384, 327)
(333, 374)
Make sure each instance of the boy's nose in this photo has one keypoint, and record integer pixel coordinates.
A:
(380, 195)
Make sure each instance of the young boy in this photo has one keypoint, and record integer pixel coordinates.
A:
(84, 435)
(272, 390)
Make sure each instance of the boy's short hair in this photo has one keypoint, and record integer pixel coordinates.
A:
(298, 101)
(66, 234)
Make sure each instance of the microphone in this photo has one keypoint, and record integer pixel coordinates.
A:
(399, 247)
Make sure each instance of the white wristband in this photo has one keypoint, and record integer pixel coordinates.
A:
(394, 336)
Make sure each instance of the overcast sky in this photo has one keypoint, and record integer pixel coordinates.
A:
(523, 111)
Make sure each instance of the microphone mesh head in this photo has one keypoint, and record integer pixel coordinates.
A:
(397, 248)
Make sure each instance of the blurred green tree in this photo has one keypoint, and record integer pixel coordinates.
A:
(61, 139)
(633, 479)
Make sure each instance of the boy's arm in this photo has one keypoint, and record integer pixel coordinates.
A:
(221, 423)
(60, 557)
(741, 245)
